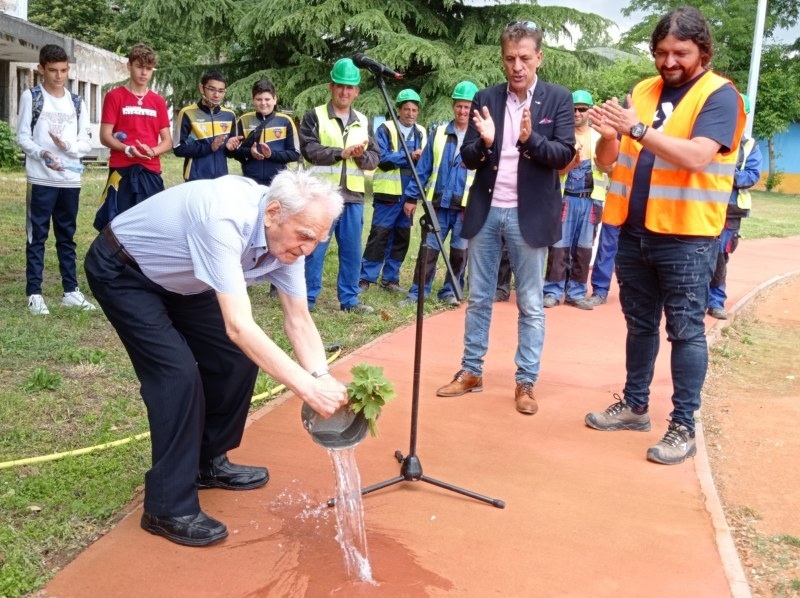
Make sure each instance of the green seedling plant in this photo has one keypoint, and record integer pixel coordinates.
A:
(369, 391)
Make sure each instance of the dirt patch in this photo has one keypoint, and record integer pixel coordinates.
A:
(750, 414)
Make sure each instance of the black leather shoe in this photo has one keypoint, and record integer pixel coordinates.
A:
(221, 473)
(190, 530)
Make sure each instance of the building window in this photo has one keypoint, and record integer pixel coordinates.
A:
(93, 102)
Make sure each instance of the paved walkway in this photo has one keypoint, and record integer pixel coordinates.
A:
(586, 515)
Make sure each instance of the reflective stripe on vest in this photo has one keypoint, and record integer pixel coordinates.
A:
(331, 135)
(439, 141)
(744, 200)
(679, 202)
(599, 178)
(389, 182)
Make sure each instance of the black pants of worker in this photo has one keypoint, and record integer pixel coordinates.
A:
(195, 382)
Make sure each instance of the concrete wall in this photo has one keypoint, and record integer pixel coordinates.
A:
(787, 150)
(93, 69)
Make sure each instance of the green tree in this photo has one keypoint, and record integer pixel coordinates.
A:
(92, 21)
(733, 28)
(435, 43)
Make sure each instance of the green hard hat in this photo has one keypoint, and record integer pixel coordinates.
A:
(746, 101)
(408, 95)
(345, 72)
(582, 97)
(464, 90)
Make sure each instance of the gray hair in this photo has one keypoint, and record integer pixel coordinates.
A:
(296, 190)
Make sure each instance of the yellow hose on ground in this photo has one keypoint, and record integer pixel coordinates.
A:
(99, 447)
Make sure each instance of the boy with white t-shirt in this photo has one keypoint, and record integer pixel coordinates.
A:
(53, 131)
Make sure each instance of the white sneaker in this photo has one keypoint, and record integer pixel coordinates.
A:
(76, 299)
(37, 305)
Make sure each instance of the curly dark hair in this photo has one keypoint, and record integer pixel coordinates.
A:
(144, 54)
(685, 23)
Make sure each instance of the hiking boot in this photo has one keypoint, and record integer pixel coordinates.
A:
(363, 285)
(76, 299)
(596, 300)
(550, 300)
(37, 305)
(359, 308)
(718, 313)
(618, 416)
(581, 303)
(462, 383)
(523, 396)
(393, 287)
(678, 444)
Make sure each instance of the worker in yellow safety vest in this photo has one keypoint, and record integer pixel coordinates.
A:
(337, 144)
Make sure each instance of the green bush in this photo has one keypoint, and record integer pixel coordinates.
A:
(8, 146)
(774, 180)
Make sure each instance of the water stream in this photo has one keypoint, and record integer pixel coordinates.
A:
(352, 534)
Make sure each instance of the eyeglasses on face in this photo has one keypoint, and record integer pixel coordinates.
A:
(215, 90)
(581, 109)
(523, 25)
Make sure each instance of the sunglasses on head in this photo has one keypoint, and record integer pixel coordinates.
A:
(522, 24)
(581, 109)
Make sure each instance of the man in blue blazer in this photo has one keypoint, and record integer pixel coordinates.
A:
(522, 133)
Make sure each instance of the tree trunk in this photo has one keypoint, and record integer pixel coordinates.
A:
(771, 155)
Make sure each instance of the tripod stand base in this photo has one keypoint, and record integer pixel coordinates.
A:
(411, 471)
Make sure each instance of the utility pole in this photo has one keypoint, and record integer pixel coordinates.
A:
(755, 64)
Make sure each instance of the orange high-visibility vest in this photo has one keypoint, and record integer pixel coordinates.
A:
(679, 202)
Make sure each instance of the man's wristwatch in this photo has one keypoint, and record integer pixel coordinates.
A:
(320, 373)
(638, 130)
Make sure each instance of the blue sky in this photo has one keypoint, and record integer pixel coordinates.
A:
(612, 9)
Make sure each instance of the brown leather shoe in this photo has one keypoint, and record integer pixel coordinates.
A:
(463, 383)
(526, 402)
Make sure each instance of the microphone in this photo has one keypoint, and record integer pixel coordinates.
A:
(372, 65)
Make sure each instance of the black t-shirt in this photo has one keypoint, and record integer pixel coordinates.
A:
(717, 121)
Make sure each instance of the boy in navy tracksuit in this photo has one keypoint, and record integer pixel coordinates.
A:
(205, 132)
(269, 137)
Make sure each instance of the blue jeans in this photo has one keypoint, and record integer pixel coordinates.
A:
(603, 266)
(527, 264)
(666, 274)
(450, 222)
(347, 230)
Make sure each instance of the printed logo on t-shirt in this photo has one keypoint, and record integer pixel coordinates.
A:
(139, 111)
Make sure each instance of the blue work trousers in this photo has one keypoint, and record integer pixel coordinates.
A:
(347, 230)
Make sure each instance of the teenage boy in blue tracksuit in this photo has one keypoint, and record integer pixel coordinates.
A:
(269, 138)
(205, 131)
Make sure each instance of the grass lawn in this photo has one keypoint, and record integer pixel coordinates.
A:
(67, 384)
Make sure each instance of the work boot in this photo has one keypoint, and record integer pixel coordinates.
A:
(550, 300)
(462, 383)
(718, 313)
(678, 444)
(523, 396)
(581, 303)
(596, 299)
(618, 416)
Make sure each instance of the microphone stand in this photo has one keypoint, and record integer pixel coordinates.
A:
(411, 467)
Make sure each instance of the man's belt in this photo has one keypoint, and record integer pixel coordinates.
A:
(118, 250)
(582, 194)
